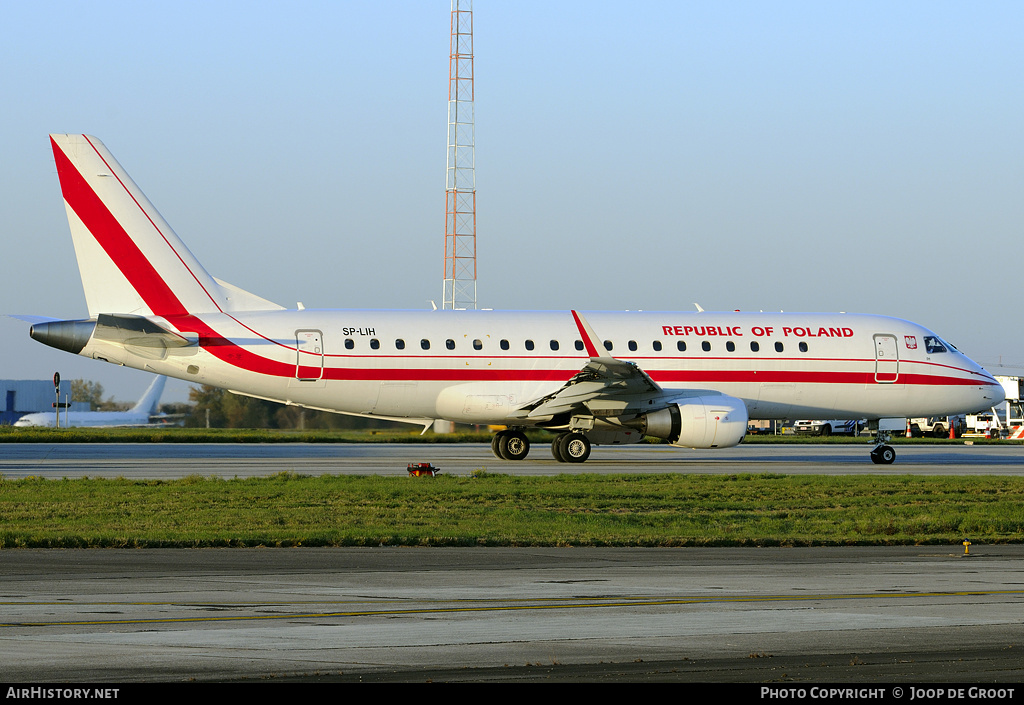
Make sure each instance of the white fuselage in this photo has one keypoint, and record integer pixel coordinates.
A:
(78, 419)
(480, 366)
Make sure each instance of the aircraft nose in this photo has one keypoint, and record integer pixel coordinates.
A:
(992, 393)
(998, 394)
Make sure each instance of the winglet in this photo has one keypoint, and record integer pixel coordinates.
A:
(590, 339)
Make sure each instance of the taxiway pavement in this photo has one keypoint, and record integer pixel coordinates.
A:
(174, 460)
(923, 614)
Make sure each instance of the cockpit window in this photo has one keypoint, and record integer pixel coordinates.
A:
(933, 345)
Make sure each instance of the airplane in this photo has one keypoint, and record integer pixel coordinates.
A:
(138, 415)
(692, 379)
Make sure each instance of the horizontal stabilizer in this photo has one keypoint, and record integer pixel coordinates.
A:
(32, 319)
(137, 331)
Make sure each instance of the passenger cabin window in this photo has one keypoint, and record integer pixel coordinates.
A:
(778, 347)
(400, 344)
(631, 345)
(681, 345)
(579, 345)
(529, 345)
(656, 345)
(933, 345)
(349, 343)
(374, 344)
(554, 345)
(607, 345)
(754, 346)
(450, 344)
(803, 346)
(503, 344)
(478, 344)
(705, 346)
(425, 344)
(730, 346)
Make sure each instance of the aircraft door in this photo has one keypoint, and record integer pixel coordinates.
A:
(887, 362)
(309, 350)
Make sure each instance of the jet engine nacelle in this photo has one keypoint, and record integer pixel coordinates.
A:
(713, 421)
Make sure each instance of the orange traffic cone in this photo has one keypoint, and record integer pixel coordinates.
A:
(908, 428)
(952, 430)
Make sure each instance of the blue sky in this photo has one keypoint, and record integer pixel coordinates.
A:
(846, 156)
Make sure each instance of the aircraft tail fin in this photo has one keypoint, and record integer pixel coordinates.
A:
(130, 259)
(149, 401)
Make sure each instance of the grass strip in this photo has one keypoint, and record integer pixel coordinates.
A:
(490, 509)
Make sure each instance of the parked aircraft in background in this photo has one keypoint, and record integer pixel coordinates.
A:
(138, 415)
(594, 378)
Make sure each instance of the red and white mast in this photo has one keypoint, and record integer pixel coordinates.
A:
(460, 190)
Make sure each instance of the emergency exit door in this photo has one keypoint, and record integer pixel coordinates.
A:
(309, 350)
(887, 361)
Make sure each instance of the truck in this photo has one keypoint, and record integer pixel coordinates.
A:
(985, 424)
(1004, 421)
(938, 426)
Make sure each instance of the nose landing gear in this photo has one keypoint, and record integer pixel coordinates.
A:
(883, 453)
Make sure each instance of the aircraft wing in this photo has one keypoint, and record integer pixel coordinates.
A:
(605, 386)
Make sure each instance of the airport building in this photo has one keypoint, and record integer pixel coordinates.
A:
(29, 396)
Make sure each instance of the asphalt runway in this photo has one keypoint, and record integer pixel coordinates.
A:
(174, 460)
(880, 615)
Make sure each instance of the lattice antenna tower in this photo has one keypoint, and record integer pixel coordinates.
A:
(460, 190)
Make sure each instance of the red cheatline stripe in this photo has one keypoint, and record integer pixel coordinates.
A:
(807, 377)
(662, 376)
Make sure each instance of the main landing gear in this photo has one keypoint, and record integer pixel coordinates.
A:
(570, 448)
(512, 444)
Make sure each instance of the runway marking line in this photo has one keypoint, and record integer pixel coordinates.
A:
(595, 602)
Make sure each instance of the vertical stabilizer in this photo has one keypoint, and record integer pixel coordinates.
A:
(149, 401)
(129, 258)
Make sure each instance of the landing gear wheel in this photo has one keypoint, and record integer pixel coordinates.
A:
(514, 445)
(556, 445)
(883, 455)
(574, 448)
(496, 443)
